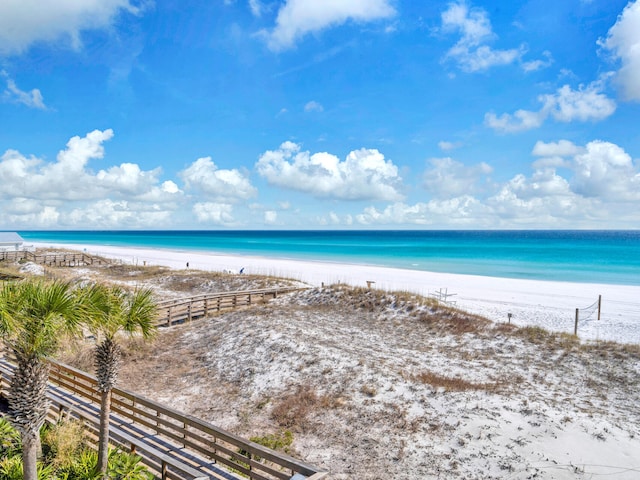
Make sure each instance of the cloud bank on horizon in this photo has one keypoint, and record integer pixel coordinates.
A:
(319, 114)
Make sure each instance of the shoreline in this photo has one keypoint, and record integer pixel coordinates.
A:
(548, 304)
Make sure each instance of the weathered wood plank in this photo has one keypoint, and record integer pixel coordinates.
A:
(185, 430)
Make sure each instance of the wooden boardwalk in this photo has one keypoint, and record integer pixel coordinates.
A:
(173, 445)
(202, 306)
(53, 259)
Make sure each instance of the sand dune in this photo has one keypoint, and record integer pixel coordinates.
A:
(531, 302)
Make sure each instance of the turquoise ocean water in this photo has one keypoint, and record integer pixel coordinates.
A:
(577, 256)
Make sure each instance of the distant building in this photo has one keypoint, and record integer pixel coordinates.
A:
(11, 242)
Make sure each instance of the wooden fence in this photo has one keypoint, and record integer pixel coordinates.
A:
(53, 259)
(173, 445)
(199, 306)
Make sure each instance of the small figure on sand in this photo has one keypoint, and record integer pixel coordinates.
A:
(187, 264)
(242, 270)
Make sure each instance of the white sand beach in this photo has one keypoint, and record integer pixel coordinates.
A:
(547, 304)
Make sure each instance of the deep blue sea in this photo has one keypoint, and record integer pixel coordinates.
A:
(576, 256)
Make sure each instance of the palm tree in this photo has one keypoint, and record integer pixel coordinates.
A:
(34, 315)
(114, 310)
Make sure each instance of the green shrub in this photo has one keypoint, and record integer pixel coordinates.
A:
(62, 443)
(84, 467)
(280, 441)
(9, 440)
(66, 457)
(125, 466)
(11, 469)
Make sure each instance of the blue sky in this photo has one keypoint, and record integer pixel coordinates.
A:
(253, 114)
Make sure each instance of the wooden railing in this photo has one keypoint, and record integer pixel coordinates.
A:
(173, 445)
(199, 306)
(54, 259)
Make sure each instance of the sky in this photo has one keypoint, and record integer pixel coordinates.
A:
(319, 114)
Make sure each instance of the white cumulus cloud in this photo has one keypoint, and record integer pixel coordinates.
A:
(67, 192)
(65, 179)
(204, 176)
(214, 213)
(561, 148)
(449, 178)
(623, 41)
(297, 18)
(587, 103)
(270, 217)
(606, 171)
(471, 51)
(598, 186)
(602, 186)
(313, 106)
(13, 94)
(120, 214)
(128, 178)
(27, 213)
(535, 65)
(256, 7)
(519, 121)
(464, 211)
(363, 175)
(447, 146)
(25, 22)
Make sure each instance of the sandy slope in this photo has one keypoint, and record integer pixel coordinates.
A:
(374, 388)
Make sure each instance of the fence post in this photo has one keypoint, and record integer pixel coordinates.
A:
(575, 328)
(599, 305)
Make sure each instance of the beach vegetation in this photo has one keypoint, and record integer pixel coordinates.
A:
(62, 443)
(9, 274)
(449, 320)
(452, 383)
(505, 328)
(66, 456)
(293, 409)
(280, 441)
(368, 390)
(34, 316)
(191, 280)
(543, 337)
(607, 349)
(534, 334)
(114, 310)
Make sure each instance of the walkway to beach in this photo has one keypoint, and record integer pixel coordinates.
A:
(53, 259)
(173, 445)
(195, 307)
